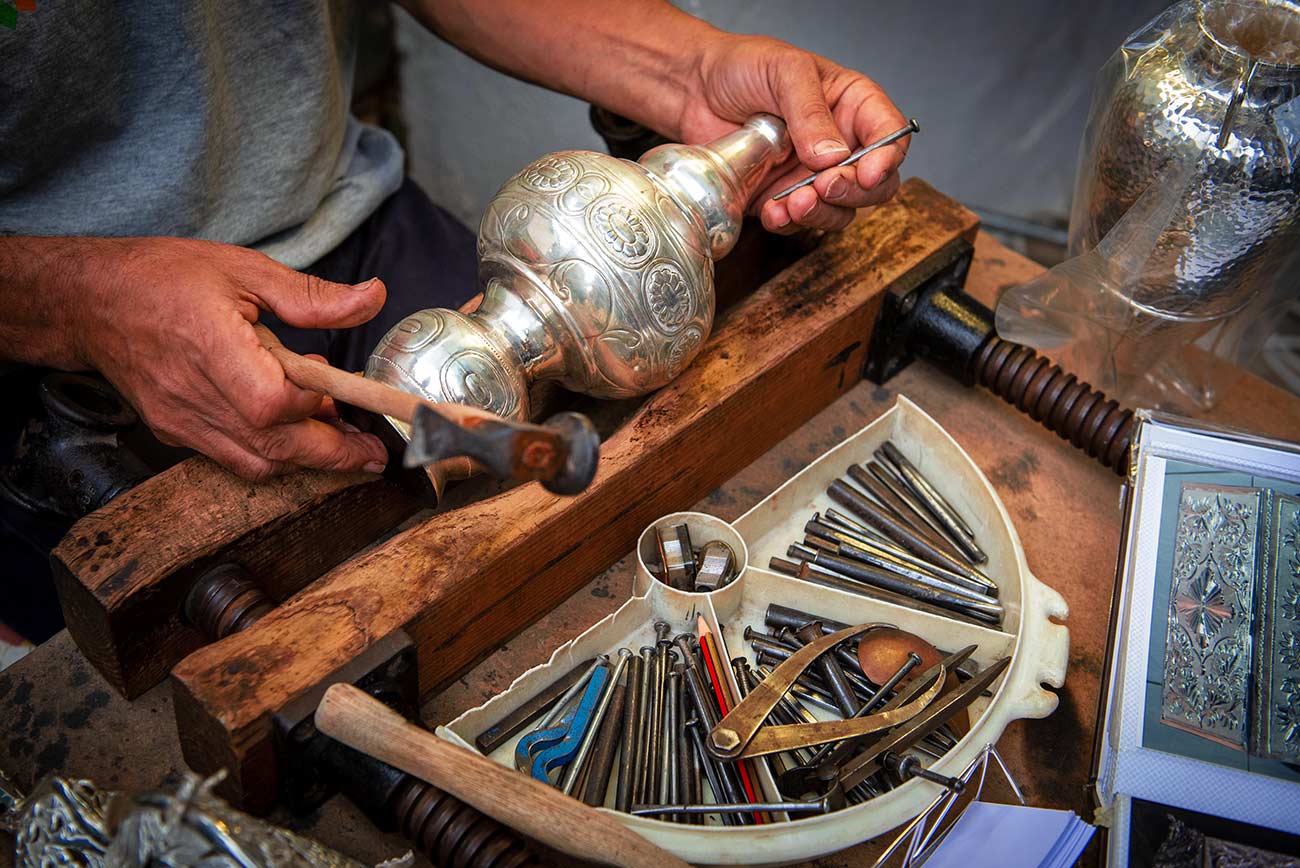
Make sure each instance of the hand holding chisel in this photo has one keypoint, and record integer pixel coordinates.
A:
(562, 455)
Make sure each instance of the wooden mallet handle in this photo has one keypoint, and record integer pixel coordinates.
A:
(361, 722)
(357, 390)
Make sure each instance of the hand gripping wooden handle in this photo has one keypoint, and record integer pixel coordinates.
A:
(357, 390)
(361, 722)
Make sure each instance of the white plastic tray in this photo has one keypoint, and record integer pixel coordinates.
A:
(1039, 648)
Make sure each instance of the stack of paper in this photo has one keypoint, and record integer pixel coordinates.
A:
(991, 835)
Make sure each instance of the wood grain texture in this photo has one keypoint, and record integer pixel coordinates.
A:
(539, 810)
(464, 581)
(122, 572)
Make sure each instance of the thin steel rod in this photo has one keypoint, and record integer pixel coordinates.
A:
(575, 766)
(912, 127)
(791, 807)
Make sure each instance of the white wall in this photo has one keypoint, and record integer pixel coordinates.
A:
(1001, 91)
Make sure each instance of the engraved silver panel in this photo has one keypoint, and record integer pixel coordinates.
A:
(1211, 606)
(62, 823)
(1277, 667)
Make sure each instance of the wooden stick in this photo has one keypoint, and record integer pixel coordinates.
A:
(357, 390)
(353, 717)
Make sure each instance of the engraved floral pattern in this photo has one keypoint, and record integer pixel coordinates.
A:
(1204, 608)
(621, 229)
(1289, 607)
(1208, 649)
(473, 377)
(683, 349)
(1284, 729)
(1288, 650)
(669, 297)
(1288, 721)
(551, 173)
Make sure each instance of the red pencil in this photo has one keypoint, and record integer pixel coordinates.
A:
(710, 651)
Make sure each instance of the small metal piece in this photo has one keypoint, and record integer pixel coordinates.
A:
(847, 496)
(912, 127)
(882, 558)
(506, 728)
(712, 772)
(611, 728)
(909, 471)
(669, 780)
(631, 737)
(907, 767)
(644, 734)
(592, 730)
(695, 774)
(821, 806)
(225, 600)
(884, 473)
(653, 759)
(676, 556)
(934, 591)
(869, 539)
(864, 765)
(872, 483)
(887, 475)
(957, 531)
(707, 715)
(545, 750)
(832, 673)
(716, 566)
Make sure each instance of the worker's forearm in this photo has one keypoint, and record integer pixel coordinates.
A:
(44, 285)
(636, 57)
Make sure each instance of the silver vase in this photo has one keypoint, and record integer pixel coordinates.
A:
(1201, 103)
(595, 272)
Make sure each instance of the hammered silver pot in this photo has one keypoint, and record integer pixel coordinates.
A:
(595, 272)
(1209, 86)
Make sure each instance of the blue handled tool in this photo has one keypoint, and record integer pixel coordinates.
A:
(544, 750)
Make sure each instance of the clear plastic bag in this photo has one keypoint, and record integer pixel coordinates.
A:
(1185, 232)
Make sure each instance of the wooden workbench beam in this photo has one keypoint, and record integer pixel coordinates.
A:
(123, 571)
(464, 581)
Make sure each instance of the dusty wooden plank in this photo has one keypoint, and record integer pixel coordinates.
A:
(463, 581)
(123, 571)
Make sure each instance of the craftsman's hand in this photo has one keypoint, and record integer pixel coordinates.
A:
(830, 111)
(169, 323)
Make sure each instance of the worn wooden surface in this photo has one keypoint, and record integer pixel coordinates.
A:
(123, 571)
(461, 580)
(58, 713)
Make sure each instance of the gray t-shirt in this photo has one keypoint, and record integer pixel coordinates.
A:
(214, 120)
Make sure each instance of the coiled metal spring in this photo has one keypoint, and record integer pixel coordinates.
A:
(1074, 410)
(453, 834)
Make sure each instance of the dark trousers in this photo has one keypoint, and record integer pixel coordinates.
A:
(425, 257)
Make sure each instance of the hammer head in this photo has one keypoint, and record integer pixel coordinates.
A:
(562, 453)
